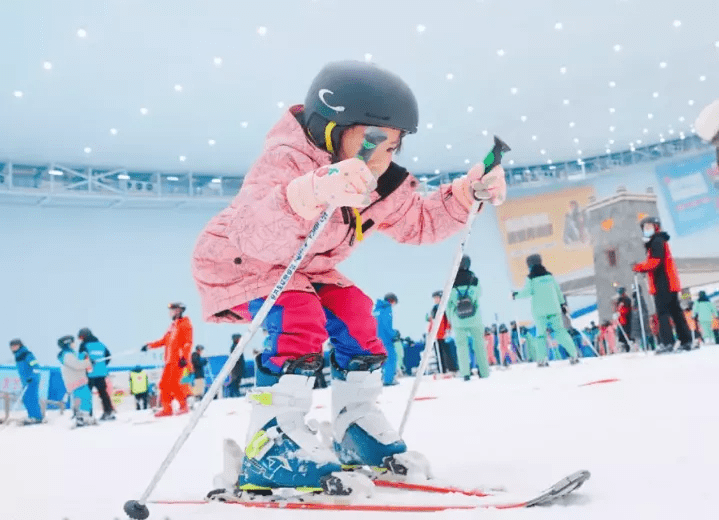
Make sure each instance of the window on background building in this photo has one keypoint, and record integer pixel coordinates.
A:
(611, 257)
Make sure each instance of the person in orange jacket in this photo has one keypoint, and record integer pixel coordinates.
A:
(664, 285)
(178, 345)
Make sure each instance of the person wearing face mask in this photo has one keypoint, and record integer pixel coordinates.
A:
(664, 286)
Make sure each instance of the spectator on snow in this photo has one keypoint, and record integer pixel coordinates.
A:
(466, 319)
(233, 389)
(690, 317)
(178, 344)
(198, 368)
(548, 306)
(607, 339)
(505, 351)
(99, 355)
(139, 387)
(385, 332)
(516, 341)
(623, 314)
(530, 342)
(399, 351)
(489, 346)
(74, 374)
(445, 353)
(29, 373)
(664, 285)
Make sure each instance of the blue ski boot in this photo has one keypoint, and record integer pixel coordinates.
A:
(282, 452)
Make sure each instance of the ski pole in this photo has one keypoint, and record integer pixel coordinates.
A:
(119, 355)
(137, 509)
(624, 333)
(493, 158)
(589, 343)
(641, 314)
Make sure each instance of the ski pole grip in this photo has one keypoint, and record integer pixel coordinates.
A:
(373, 136)
(494, 157)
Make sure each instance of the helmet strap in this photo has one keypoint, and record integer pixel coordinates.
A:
(328, 137)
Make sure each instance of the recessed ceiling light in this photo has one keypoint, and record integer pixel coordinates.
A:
(611, 141)
(244, 124)
(415, 159)
(639, 141)
(702, 78)
(436, 171)
(511, 162)
(617, 48)
(543, 151)
(671, 131)
(113, 131)
(681, 135)
(48, 66)
(524, 119)
(183, 158)
(562, 70)
(217, 61)
(500, 52)
(558, 26)
(430, 126)
(123, 176)
(421, 28)
(580, 162)
(467, 161)
(484, 132)
(571, 124)
(534, 138)
(367, 56)
(280, 104)
(579, 152)
(470, 108)
(514, 90)
(211, 142)
(611, 129)
(87, 149)
(54, 172)
(691, 102)
(566, 101)
(608, 150)
(178, 88)
(262, 30)
(612, 84)
(216, 180)
(646, 131)
(81, 33)
(612, 110)
(18, 93)
(173, 178)
(549, 161)
(450, 76)
(650, 116)
(661, 139)
(663, 64)
(716, 44)
(681, 119)
(576, 140)
(144, 111)
(448, 146)
(655, 95)
(677, 23)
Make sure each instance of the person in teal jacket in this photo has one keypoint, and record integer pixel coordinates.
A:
(704, 313)
(465, 324)
(547, 306)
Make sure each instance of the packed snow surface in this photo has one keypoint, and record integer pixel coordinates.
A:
(650, 439)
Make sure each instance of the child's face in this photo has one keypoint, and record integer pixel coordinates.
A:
(14, 348)
(379, 162)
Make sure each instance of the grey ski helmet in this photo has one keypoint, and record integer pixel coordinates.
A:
(650, 220)
(347, 93)
(465, 262)
(533, 260)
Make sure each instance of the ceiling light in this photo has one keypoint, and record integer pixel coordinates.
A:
(650, 116)
(178, 88)
(534, 138)
(429, 126)
(415, 159)
(450, 76)
(123, 177)
(612, 110)
(661, 139)
(262, 30)
(484, 132)
(671, 131)
(87, 149)
(579, 152)
(470, 108)
(681, 119)
(617, 48)
(677, 23)
(566, 101)
(47, 66)
(280, 104)
(217, 61)
(216, 180)
(639, 141)
(183, 158)
(645, 131)
(172, 178)
(421, 28)
(576, 140)
(571, 124)
(211, 142)
(612, 84)
(143, 111)
(681, 135)
(558, 26)
(244, 124)
(367, 56)
(514, 90)
(702, 78)
(608, 150)
(543, 151)
(611, 141)
(500, 52)
(663, 64)
(466, 161)
(716, 44)
(54, 172)
(580, 162)
(549, 161)
(563, 70)
(436, 171)
(113, 131)
(655, 95)
(511, 162)
(448, 146)
(691, 102)
(611, 129)
(81, 33)
(524, 119)
(18, 94)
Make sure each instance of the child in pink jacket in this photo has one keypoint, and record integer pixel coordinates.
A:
(308, 163)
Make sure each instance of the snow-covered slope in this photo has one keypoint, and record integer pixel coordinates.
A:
(650, 440)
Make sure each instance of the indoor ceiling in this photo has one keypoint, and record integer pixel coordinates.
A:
(189, 85)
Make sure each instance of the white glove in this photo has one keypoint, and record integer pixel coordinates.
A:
(707, 124)
(492, 187)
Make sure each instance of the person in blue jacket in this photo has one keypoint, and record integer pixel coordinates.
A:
(99, 355)
(29, 372)
(385, 332)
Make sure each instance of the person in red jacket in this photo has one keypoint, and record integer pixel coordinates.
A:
(178, 345)
(664, 285)
(623, 313)
(445, 354)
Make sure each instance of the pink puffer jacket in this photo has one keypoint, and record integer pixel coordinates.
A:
(243, 251)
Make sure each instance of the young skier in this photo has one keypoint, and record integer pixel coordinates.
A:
(547, 307)
(309, 163)
(705, 312)
(74, 374)
(29, 373)
(385, 332)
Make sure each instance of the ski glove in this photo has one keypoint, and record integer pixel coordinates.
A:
(492, 187)
(182, 363)
(144, 348)
(346, 183)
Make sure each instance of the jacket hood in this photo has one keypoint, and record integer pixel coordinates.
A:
(383, 304)
(538, 270)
